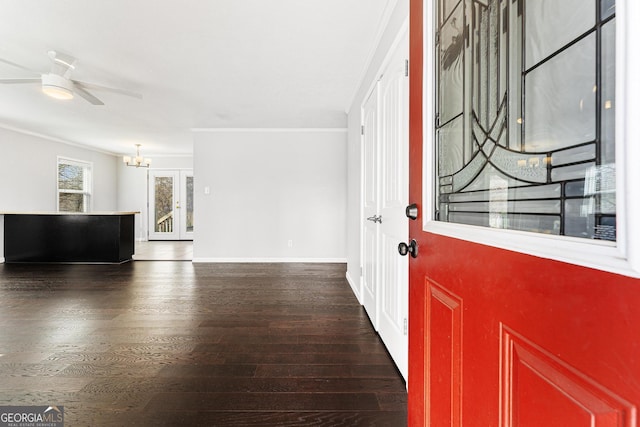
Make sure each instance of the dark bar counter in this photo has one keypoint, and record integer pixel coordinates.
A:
(64, 237)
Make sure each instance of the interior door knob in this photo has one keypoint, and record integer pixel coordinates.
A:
(411, 248)
(375, 218)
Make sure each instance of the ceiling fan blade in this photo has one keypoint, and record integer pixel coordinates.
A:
(12, 81)
(19, 66)
(105, 88)
(87, 96)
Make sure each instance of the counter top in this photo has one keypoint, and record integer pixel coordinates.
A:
(70, 213)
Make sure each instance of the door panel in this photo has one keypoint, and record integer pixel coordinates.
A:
(371, 232)
(522, 341)
(537, 386)
(501, 338)
(394, 196)
(444, 341)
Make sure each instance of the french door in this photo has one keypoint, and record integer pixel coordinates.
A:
(170, 204)
(385, 195)
(511, 139)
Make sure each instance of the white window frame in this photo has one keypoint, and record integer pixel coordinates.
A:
(622, 256)
(87, 184)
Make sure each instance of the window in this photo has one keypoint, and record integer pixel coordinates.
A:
(525, 116)
(74, 185)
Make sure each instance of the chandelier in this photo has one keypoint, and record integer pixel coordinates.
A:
(137, 161)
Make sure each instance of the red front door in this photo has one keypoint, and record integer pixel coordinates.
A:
(501, 338)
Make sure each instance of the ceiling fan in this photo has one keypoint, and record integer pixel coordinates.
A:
(58, 84)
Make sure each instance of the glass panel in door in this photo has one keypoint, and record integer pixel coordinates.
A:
(189, 206)
(185, 206)
(163, 206)
(525, 120)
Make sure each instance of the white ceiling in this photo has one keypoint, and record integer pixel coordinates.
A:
(197, 63)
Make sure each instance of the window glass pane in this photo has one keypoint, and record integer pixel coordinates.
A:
(522, 148)
(163, 204)
(74, 185)
(574, 188)
(560, 99)
(551, 24)
(451, 65)
(572, 155)
(608, 8)
(189, 203)
(447, 7)
(70, 177)
(71, 202)
(570, 172)
(451, 148)
(608, 103)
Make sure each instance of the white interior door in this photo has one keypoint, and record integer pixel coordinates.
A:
(370, 201)
(393, 288)
(170, 205)
(385, 153)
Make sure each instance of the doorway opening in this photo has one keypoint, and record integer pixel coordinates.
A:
(170, 204)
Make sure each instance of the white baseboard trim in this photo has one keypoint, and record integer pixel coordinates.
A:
(355, 287)
(1, 260)
(269, 260)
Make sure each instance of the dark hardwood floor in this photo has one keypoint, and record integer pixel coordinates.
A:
(175, 343)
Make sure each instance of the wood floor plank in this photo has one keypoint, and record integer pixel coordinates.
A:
(175, 343)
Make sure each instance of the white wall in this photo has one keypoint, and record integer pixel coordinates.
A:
(132, 187)
(267, 188)
(396, 22)
(29, 173)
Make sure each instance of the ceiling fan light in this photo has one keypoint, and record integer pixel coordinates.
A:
(57, 86)
(57, 92)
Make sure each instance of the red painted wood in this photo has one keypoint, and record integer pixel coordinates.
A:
(537, 384)
(444, 355)
(577, 329)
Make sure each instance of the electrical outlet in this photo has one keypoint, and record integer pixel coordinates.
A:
(290, 243)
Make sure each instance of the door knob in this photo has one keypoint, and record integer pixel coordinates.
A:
(411, 248)
(411, 211)
(375, 218)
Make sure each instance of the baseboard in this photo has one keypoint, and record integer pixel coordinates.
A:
(269, 260)
(355, 287)
(1, 260)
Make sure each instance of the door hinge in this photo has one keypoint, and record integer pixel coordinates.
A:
(406, 68)
(362, 130)
(406, 326)
(437, 38)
